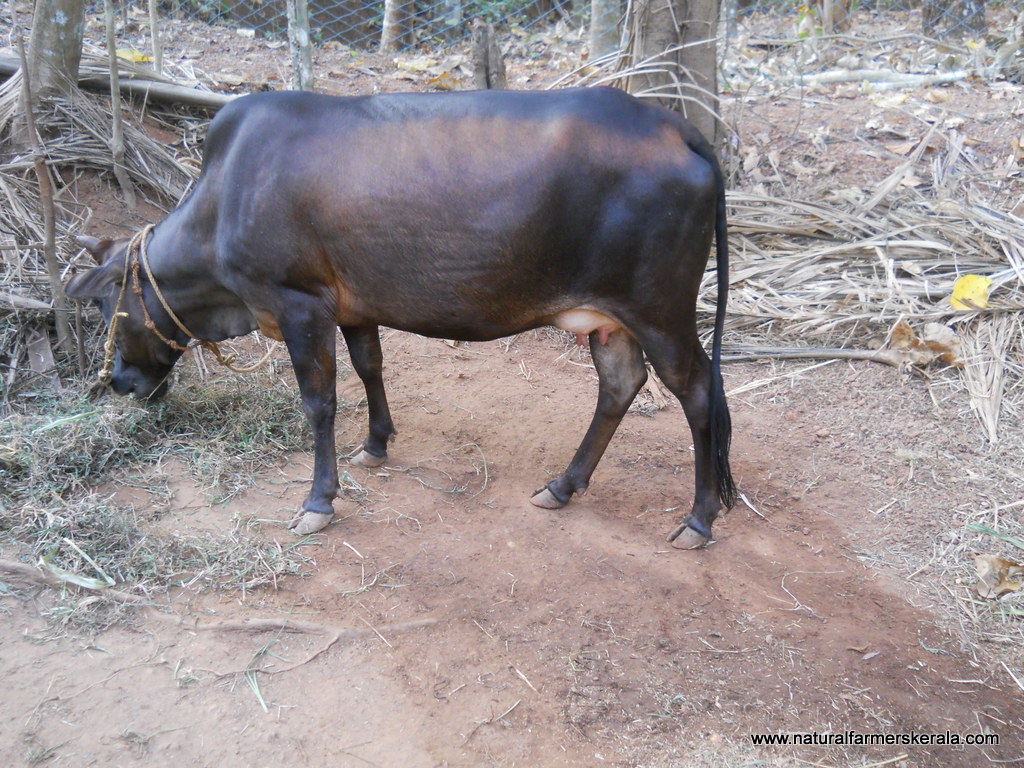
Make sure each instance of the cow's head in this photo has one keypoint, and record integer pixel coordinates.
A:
(142, 361)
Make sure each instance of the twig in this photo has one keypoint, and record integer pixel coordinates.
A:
(522, 677)
(891, 357)
(491, 721)
(882, 78)
(753, 509)
(378, 634)
(32, 575)
(117, 135)
(1010, 673)
(274, 625)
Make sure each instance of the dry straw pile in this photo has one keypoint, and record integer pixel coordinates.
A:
(76, 140)
(847, 272)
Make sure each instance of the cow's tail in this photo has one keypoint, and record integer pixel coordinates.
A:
(720, 421)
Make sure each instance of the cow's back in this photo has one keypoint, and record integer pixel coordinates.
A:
(456, 202)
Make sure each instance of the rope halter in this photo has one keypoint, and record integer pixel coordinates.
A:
(136, 258)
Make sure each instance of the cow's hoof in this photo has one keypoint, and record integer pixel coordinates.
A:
(684, 537)
(363, 459)
(306, 523)
(545, 499)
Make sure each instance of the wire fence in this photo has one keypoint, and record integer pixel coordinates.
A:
(405, 24)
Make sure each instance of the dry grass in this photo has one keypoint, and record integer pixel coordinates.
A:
(54, 455)
(835, 273)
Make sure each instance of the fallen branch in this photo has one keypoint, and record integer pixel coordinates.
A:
(893, 357)
(136, 84)
(882, 78)
(23, 302)
(29, 574)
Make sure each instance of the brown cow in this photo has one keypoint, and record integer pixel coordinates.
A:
(468, 216)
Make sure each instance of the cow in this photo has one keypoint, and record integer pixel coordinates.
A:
(468, 215)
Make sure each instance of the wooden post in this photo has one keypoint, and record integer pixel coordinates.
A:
(604, 27)
(302, 49)
(55, 45)
(154, 34)
(488, 63)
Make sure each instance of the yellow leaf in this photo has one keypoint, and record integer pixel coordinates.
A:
(888, 100)
(132, 55)
(970, 292)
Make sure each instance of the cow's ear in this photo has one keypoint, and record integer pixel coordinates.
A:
(92, 284)
(98, 249)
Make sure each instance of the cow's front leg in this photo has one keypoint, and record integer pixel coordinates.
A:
(311, 346)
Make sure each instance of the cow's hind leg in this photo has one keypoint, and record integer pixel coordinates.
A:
(685, 369)
(621, 370)
(368, 361)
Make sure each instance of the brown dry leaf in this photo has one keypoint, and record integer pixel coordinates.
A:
(903, 149)
(903, 336)
(942, 341)
(227, 78)
(803, 170)
(936, 342)
(910, 180)
(443, 82)
(997, 576)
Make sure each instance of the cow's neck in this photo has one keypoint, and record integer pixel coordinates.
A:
(184, 269)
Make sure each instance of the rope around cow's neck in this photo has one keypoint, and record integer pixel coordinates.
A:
(110, 345)
(135, 255)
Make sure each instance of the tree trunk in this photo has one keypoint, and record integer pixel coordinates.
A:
(604, 27)
(392, 32)
(302, 48)
(681, 34)
(55, 46)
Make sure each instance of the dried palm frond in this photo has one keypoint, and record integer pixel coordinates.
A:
(74, 132)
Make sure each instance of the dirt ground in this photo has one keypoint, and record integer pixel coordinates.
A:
(479, 630)
(448, 622)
